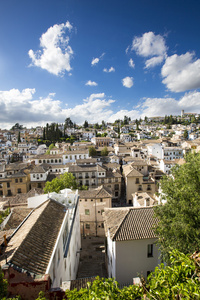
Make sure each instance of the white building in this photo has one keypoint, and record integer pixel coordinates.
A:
(47, 241)
(72, 156)
(131, 248)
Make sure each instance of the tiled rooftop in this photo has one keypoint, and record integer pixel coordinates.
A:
(129, 223)
(31, 246)
(100, 192)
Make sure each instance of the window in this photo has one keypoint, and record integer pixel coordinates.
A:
(87, 212)
(116, 186)
(101, 200)
(20, 179)
(16, 180)
(102, 225)
(19, 191)
(8, 184)
(137, 181)
(87, 226)
(150, 250)
(9, 193)
(148, 187)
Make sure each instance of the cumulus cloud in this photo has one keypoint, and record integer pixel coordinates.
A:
(21, 107)
(131, 63)
(24, 108)
(152, 107)
(127, 82)
(150, 45)
(154, 61)
(133, 114)
(56, 53)
(97, 59)
(91, 83)
(181, 73)
(109, 70)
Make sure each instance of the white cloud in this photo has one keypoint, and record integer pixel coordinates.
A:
(127, 82)
(149, 44)
(109, 70)
(91, 83)
(22, 107)
(56, 53)
(152, 107)
(182, 72)
(131, 63)
(133, 114)
(97, 59)
(154, 61)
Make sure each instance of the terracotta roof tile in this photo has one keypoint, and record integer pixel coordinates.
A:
(31, 246)
(130, 223)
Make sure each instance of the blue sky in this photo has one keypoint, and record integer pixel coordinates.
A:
(97, 60)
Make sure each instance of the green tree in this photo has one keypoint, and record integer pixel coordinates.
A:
(17, 126)
(85, 125)
(66, 180)
(179, 280)
(92, 151)
(68, 123)
(185, 134)
(50, 148)
(179, 219)
(3, 285)
(104, 151)
(19, 138)
(41, 296)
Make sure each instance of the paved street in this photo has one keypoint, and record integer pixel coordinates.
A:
(92, 257)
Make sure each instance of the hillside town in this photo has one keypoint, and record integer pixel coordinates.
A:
(52, 241)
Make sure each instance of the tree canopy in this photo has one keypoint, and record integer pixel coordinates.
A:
(104, 151)
(66, 180)
(92, 151)
(179, 218)
(179, 280)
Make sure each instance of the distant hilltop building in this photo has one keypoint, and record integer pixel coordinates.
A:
(183, 114)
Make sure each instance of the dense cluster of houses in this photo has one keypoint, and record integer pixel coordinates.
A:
(43, 249)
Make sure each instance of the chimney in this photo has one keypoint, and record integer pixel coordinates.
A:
(5, 241)
(135, 198)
